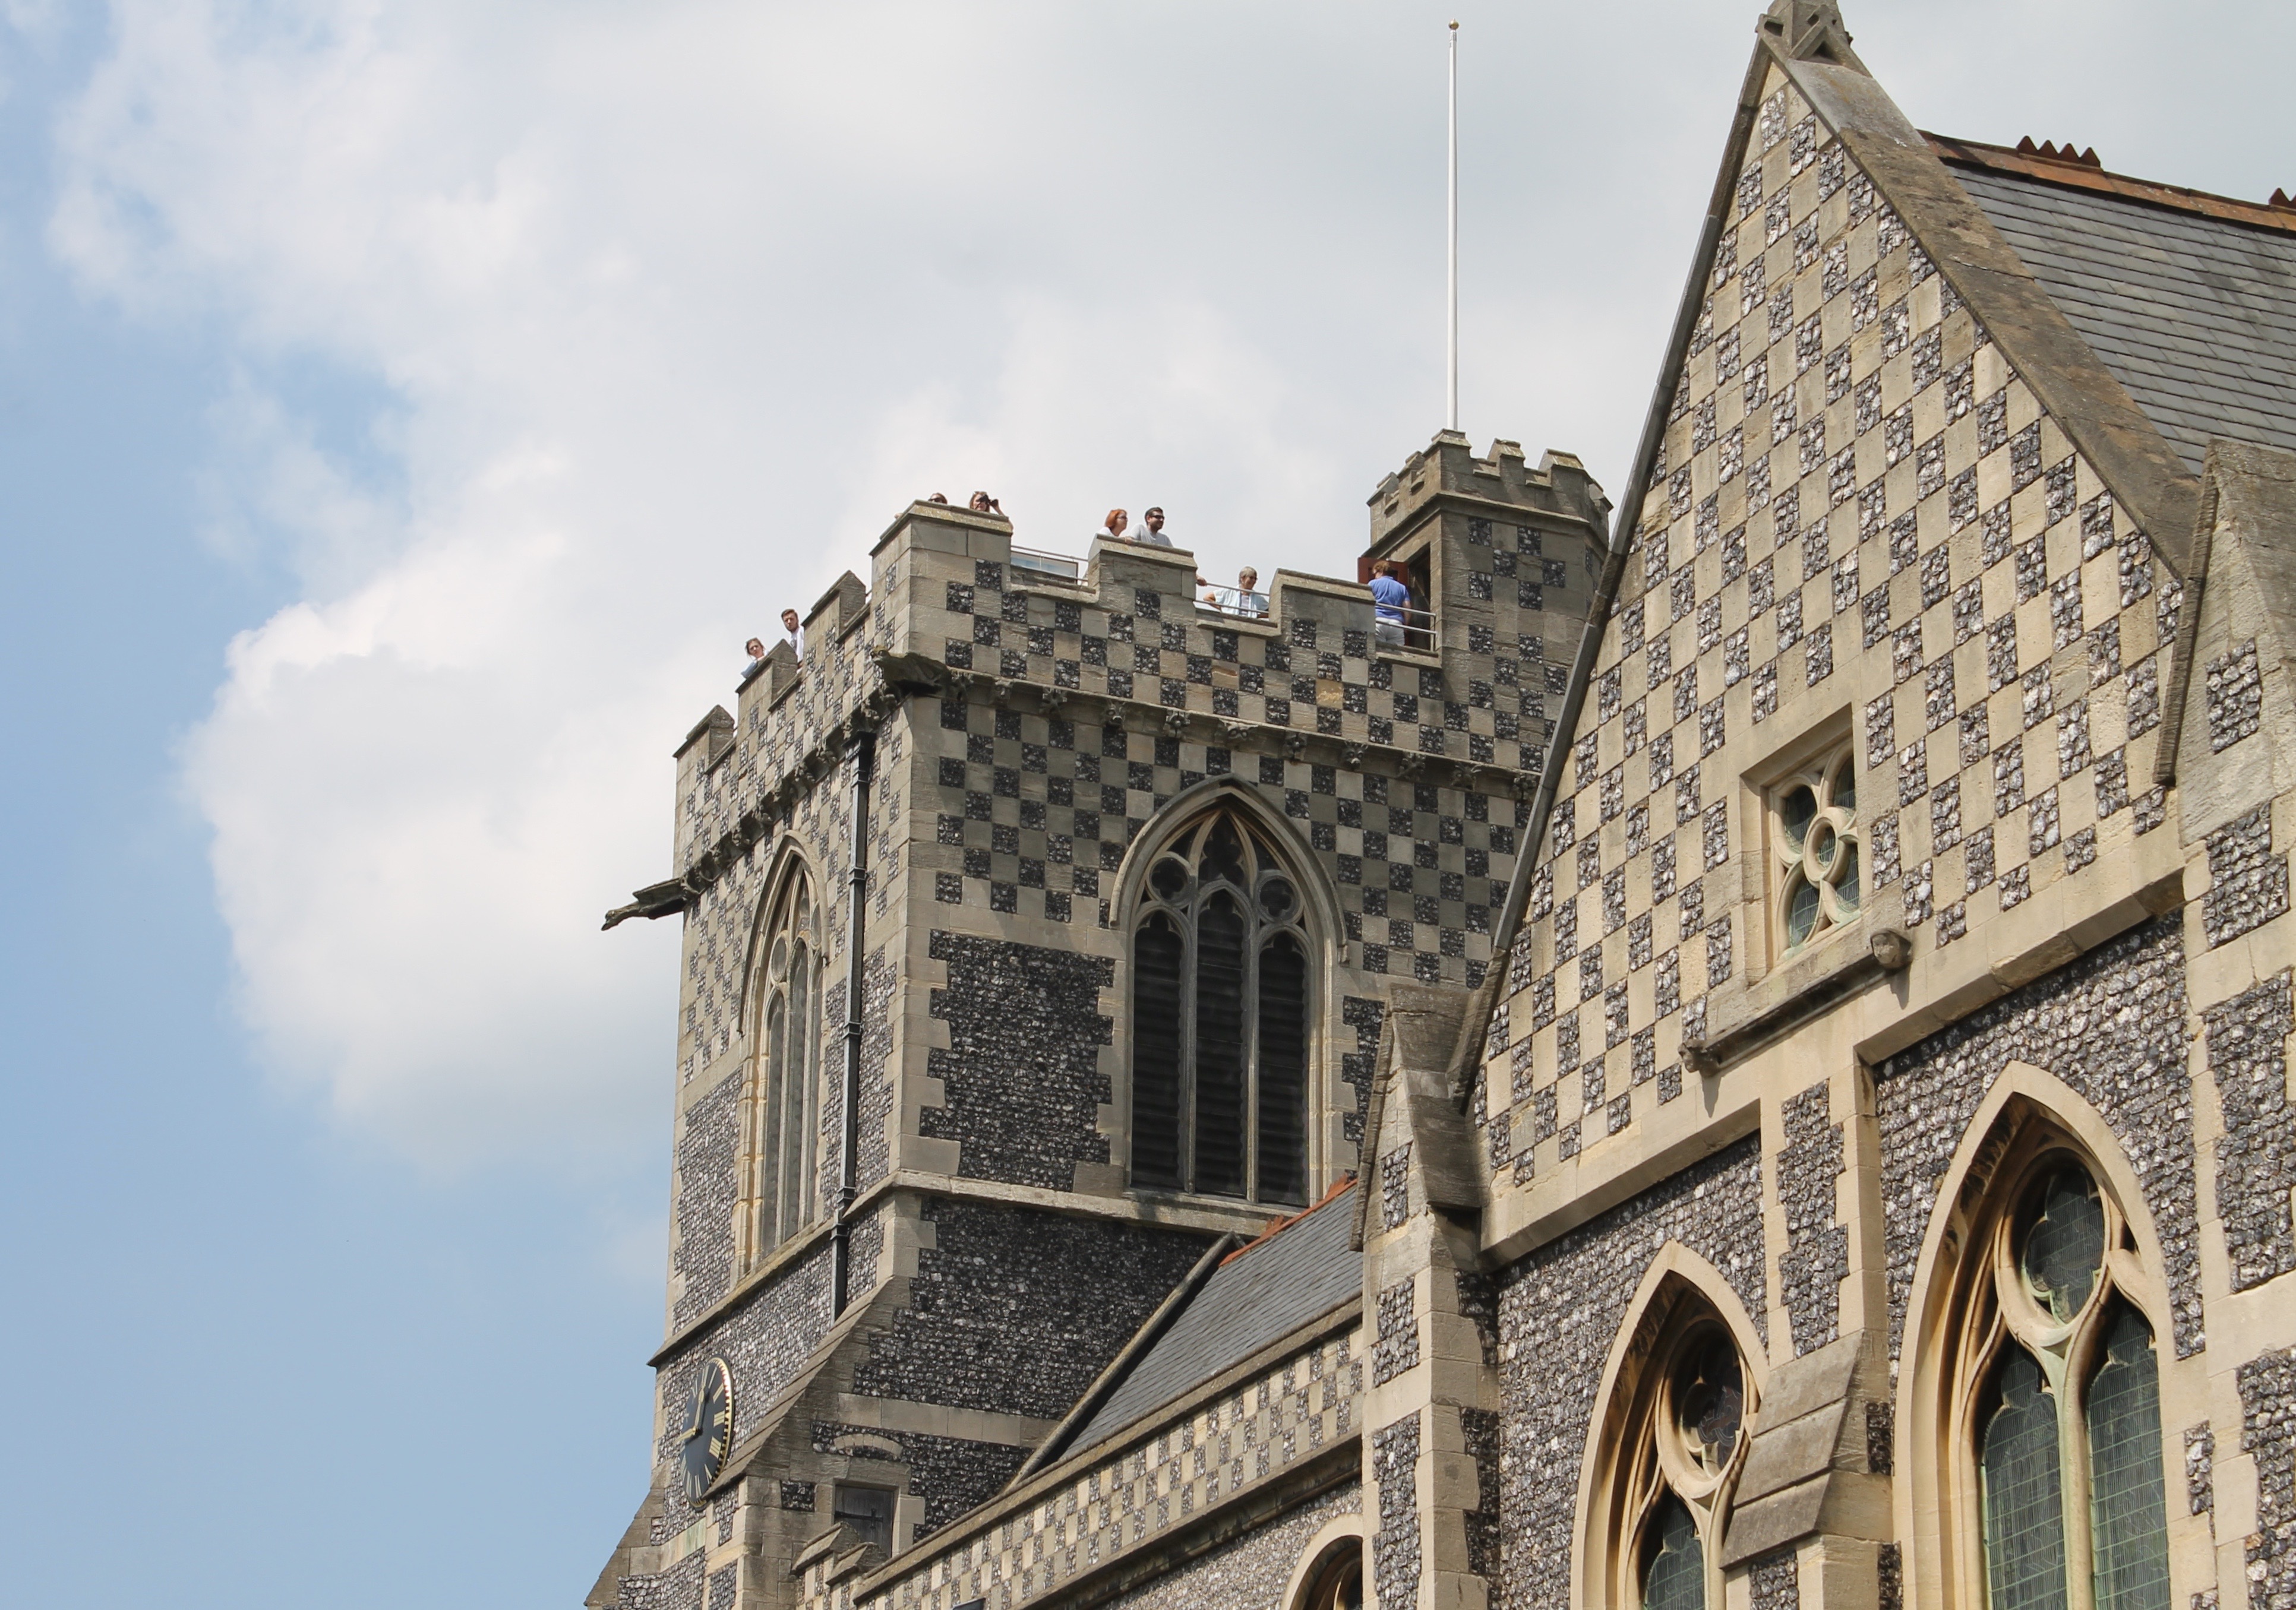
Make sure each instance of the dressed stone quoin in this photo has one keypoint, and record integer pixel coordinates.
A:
(1740, 1065)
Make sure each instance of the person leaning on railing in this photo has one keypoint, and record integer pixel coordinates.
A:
(1242, 598)
(1388, 597)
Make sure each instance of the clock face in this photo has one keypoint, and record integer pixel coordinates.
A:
(709, 1431)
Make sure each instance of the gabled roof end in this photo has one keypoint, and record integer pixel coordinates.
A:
(1809, 30)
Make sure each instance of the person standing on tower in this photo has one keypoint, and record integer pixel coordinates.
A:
(1389, 596)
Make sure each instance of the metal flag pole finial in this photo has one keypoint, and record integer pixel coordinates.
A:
(1451, 335)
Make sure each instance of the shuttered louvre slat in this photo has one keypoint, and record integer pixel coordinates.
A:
(794, 1077)
(1282, 1071)
(1156, 1041)
(1219, 1114)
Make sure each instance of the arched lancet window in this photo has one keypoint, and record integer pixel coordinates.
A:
(2063, 1400)
(780, 1198)
(1222, 994)
(1680, 1444)
(1336, 1583)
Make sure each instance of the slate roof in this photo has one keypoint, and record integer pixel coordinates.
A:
(1260, 1294)
(2189, 299)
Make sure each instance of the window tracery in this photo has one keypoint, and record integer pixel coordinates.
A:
(1222, 998)
(1681, 1448)
(2066, 1502)
(1816, 850)
(1337, 1580)
(778, 1198)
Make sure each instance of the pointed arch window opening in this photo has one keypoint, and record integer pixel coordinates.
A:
(1680, 1444)
(1222, 1003)
(2070, 1486)
(783, 1122)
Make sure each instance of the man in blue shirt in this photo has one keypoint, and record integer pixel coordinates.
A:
(1389, 596)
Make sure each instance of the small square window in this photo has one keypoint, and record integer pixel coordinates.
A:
(1816, 849)
(869, 1512)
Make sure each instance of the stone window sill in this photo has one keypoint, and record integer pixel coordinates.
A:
(1747, 1012)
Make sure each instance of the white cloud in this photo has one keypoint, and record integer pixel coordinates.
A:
(652, 315)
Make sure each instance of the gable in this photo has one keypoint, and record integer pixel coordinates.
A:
(1864, 525)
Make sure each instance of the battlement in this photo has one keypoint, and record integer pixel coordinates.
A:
(1446, 473)
(1492, 549)
(1501, 558)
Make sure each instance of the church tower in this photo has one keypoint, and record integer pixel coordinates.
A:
(1039, 929)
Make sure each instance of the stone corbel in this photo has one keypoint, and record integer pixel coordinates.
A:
(910, 673)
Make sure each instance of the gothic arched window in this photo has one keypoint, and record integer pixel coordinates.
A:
(779, 1198)
(2064, 1402)
(1679, 1444)
(1337, 1583)
(1222, 994)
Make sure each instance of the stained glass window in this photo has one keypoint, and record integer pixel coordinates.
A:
(1816, 875)
(2078, 1350)
(2128, 1506)
(2064, 1248)
(1674, 1564)
(2024, 1506)
(1710, 1398)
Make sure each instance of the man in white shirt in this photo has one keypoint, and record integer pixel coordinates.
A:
(793, 632)
(1249, 598)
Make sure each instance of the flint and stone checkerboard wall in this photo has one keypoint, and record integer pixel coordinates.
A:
(1860, 520)
(1028, 731)
(1145, 1489)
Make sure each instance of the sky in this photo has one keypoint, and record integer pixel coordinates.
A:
(406, 410)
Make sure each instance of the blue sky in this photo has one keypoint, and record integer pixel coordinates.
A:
(407, 409)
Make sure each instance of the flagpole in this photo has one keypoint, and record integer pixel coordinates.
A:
(1451, 342)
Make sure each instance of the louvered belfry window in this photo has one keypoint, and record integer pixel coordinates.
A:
(1221, 993)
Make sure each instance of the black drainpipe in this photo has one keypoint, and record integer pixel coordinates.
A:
(861, 752)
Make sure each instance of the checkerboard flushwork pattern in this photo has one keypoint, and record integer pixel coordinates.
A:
(1860, 519)
(1305, 676)
(1035, 812)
